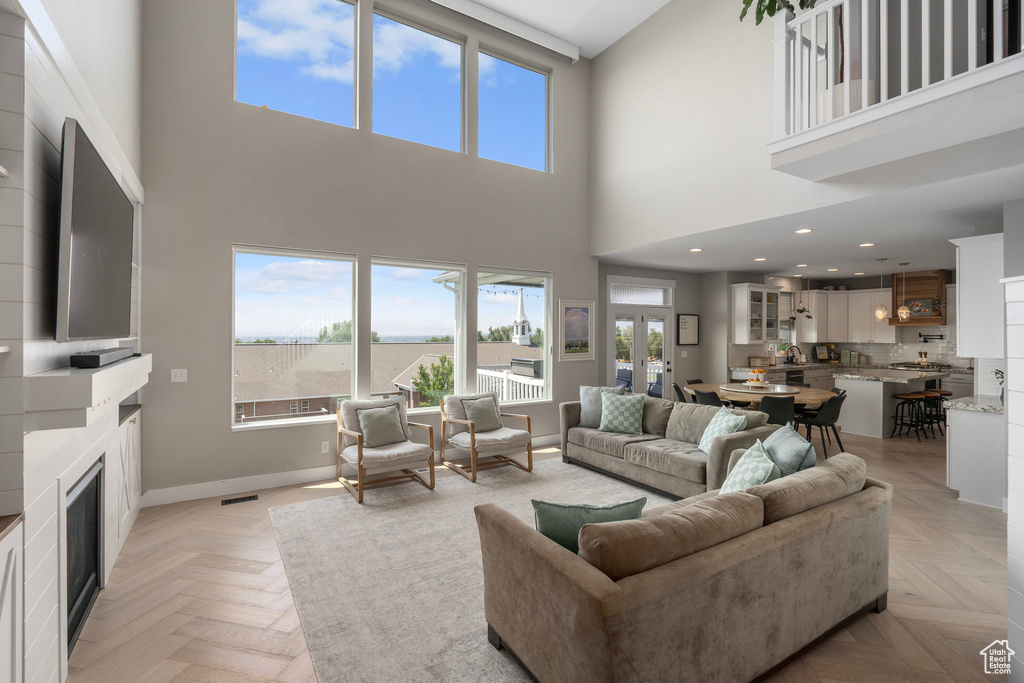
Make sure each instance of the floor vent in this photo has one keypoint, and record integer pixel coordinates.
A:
(243, 499)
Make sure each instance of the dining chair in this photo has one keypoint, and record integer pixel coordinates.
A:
(825, 419)
(779, 408)
(680, 394)
(708, 398)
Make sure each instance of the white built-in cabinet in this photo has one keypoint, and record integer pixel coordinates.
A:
(755, 313)
(12, 608)
(862, 323)
(129, 485)
(838, 311)
(979, 297)
(813, 330)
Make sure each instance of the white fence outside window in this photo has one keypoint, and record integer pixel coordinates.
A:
(510, 386)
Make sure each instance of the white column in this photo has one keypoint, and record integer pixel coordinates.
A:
(783, 76)
(848, 49)
(997, 30)
(972, 35)
(883, 50)
(926, 43)
(904, 46)
(947, 38)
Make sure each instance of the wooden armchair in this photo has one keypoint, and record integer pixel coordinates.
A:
(462, 434)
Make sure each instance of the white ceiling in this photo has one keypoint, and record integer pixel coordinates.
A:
(593, 25)
(914, 225)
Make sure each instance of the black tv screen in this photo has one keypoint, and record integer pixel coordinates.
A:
(97, 220)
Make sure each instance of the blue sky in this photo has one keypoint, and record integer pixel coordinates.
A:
(296, 56)
(281, 296)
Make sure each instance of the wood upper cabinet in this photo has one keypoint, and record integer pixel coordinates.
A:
(924, 294)
(838, 313)
(979, 306)
(755, 313)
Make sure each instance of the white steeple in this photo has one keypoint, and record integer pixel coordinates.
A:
(521, 326)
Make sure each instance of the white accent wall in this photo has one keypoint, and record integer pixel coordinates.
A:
(1013, 229)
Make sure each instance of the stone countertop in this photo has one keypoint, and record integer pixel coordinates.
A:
(978, 404)
(892, 376)
(837, 366)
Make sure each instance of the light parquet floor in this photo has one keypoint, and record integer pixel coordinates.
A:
(199, 592)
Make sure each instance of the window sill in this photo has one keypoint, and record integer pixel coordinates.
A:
(329, 418)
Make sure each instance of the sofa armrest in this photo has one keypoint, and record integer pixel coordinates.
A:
(722, 448)
(569, 417)
(735, 458)
(545, 602)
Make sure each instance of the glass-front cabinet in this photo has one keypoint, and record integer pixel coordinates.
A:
(755, 313)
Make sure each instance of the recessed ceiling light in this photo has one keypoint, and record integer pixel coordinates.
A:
(801, 265)
(868, 244)
(858, 273)
(696, 249)
(760, 259)
(803, 231)
(832, 270)
(797, 275)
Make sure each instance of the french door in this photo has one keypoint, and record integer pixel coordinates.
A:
(640, 343)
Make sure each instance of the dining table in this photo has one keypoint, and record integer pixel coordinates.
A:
(738, 391)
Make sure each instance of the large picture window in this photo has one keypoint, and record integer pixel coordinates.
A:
(417, 85)
(415, 313)
(297, 57)
(513, 113)
(293, 352)
(512, 339)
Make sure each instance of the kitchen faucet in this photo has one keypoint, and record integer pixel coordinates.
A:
(790, 357)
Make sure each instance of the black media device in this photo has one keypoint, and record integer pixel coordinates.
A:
(97, 359)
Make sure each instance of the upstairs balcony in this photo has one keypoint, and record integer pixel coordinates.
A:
(865, 83)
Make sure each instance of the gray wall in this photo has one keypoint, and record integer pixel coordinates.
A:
(687, 300)
(1013, 238)
(218, 172)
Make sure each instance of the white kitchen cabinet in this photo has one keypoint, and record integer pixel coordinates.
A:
(819, 378)
(976, 456)
(755, 313)
(979, 303)
(881, 331)
(813, 330)
(129, 493)
(951, 313)
(863, 326)
(12, 608)
(838, 312)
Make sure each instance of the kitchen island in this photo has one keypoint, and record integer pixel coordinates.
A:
(869, 403)
(976, 457)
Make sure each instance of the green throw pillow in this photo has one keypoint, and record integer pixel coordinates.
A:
(562, 522)
(724, 422)
(622, 414)
(482, 412)
(380, 426)
(755, 467)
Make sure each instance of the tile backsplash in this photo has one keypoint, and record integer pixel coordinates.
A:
(908, 344)
(985, 381)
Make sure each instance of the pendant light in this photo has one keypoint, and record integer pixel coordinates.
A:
(882, 312)
(903, 312)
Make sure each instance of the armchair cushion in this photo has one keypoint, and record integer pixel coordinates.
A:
(494, 442)
(350, 416)
(454, 409)
(380, 426)
(483, 413)
(395, 456)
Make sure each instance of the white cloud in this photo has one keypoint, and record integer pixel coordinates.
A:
(342, 73)
(410, 274)
(396, 45)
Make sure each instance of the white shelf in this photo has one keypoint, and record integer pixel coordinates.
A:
(76, 397)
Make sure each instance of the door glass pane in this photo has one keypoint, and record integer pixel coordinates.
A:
(624, 352)
(655, 357)
(771, 316)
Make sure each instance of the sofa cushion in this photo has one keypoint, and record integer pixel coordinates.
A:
(621, 549)
(755, 467)
(755, 418)
(722, 424)
(590, 404)
(561, 522)
(677, 458)
(608, 443)
(689, 420)
(837, 477)
(790, 451)
(623, 414)
(657, 411)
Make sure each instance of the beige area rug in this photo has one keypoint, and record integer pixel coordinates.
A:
(392, 590)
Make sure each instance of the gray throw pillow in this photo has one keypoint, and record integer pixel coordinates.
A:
(562, 523)
(790, 451)
(482, 412)
(590, 404)
(380, 426)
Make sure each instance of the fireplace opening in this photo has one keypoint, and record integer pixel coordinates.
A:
(84, 515)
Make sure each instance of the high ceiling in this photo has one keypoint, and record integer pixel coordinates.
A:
(593, 25)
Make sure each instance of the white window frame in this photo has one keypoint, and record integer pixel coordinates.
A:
(292, 253)
(611, 310)
(548, 110)
(549, 335)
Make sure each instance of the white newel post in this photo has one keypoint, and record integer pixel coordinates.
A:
(783, 75)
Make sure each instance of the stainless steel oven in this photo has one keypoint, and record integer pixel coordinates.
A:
(794, 376)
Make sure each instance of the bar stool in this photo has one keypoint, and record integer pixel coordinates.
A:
(933, 412)
(908, 414)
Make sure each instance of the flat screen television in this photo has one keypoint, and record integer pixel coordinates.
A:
(94, 275)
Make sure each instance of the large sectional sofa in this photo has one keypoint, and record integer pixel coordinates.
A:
(665, 457)
(710, 588)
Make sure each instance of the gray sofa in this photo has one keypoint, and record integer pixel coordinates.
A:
(710, 588)
(665, 457)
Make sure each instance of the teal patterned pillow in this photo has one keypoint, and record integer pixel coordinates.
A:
(754, 468)
(622, 414)
(724, 422)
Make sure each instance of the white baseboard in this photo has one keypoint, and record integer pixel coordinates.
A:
(212, 489)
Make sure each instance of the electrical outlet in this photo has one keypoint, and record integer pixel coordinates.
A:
(325, 446)
(179, 375)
